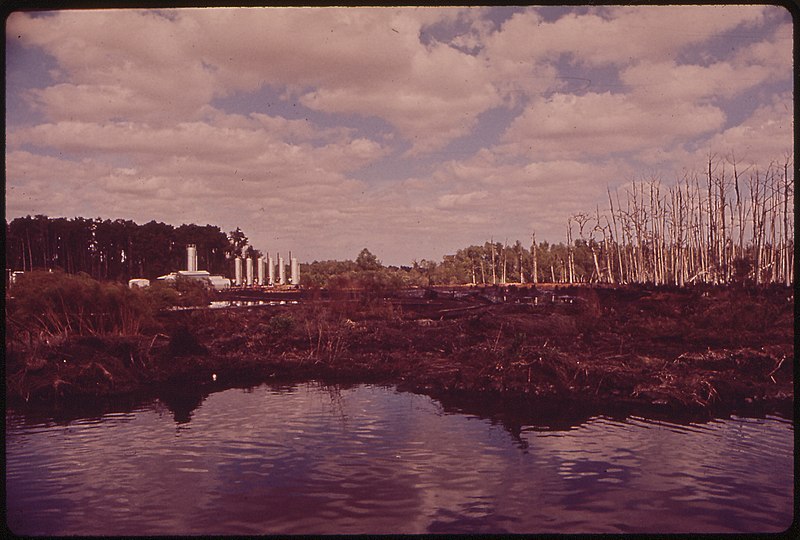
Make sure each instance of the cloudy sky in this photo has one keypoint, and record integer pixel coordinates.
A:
(411, 131)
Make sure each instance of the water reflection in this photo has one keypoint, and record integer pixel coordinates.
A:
(182, 402)
(311, 459)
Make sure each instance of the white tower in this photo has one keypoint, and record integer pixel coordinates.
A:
(281, 271)
(249, 267)
(237, 269)
(295, 279)
(191, 258)
(260, 271)
(270, 271)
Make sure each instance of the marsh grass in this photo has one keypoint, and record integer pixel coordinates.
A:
(45, 306)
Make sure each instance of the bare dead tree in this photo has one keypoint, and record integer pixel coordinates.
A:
(691, 233)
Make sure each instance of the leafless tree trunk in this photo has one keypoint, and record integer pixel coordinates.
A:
(494, 267)
(505, 260)
(693, 233)
(570, 269)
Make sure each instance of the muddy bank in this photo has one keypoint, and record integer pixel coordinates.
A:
(668, 353)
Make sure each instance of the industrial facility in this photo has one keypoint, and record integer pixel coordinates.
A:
(264, 272)
(261, 272)
(216, 282)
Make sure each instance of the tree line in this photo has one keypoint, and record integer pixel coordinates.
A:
(726, 224)
(115, 250)
(492, 263)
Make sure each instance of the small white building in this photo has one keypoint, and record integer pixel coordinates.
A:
(138, 282)
(216, 282)
(219, 283)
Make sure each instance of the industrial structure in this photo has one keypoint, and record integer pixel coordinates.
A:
(247, 272)
(216, 282)
(191, 258)
(264, 272)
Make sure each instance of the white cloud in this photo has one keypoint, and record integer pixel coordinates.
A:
(367, 61)
(155, 116)
(668, 83)
(569, 126)
(768, 134)
(432, 100)
(248, 146)
(619, 35)
(126, 61)
(453, 200)
(773, 53)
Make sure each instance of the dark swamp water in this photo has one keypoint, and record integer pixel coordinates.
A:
(310, 458)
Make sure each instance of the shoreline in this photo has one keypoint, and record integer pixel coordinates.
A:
(659, 353)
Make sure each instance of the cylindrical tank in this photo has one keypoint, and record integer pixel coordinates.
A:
(249, 267)
(191, 258)
(270, 271)
(237, 268)
(281, 271)
(260, 264)
(295, 265)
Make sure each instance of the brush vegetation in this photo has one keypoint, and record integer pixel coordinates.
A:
(51, 306)
(666, 351)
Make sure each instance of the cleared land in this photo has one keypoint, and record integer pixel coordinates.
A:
(675, 353)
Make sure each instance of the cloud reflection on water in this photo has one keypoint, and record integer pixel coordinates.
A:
(312, 459)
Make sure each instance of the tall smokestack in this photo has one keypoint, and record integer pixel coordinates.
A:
(191, 258)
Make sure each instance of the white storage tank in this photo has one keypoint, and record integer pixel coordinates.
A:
(249, 267)
(270, 271)
(295, 265)
(138, 282)
(237, 271)
(281, 271)
(260, 271)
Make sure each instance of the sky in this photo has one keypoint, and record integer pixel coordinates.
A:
(411, 131)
